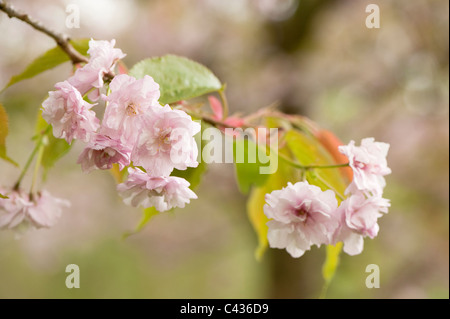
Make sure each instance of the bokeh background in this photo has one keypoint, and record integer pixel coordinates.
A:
(315, 57)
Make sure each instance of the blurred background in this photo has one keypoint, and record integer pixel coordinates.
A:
(317, 58)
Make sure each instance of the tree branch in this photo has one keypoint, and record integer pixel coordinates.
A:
(62, 40)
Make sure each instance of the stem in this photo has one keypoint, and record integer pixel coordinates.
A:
(308, 167)
(323, 293)
(62, 40)
(212, 121)
(108, 92)
(225, 106)
(25, 168)
(31, 157)
(42, 143)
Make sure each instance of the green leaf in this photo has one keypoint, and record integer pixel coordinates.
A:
(48, 60)
(4, 130)
(179, 78)
(258, 219)
(193, 174)
(3, 196)
(147, 214)
(307, 150)
(54, 149)
(256, 201)
(330, 266)
(331, 261)
(248, 159)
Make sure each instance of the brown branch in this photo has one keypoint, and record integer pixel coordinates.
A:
(62, 40)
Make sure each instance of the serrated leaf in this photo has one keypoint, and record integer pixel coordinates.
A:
(147, 214)
(4, 130)
(248, 166)
(48, 60)
(179, 78)
(54, 149)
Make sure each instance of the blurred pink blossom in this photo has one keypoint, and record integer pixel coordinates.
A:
(19, 212)
(46, 209)
(13, 210)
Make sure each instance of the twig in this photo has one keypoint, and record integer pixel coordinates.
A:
(62, 40)
(213, 122)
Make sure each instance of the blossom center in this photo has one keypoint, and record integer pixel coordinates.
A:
(302, 211)
(132, 109)
(163, 141)
(164, 136)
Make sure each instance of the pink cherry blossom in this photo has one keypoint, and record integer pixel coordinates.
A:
(69, 114)
(167, 142)
(369, 165)
(129, 101)
(13, 210)
(358, 217)
(301, 215)
(18, 211)
(103, 58)
(102, 152)
(163, 193)
(46, 210)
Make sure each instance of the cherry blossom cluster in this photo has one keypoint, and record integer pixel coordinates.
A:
(136, 131)
(302, 215)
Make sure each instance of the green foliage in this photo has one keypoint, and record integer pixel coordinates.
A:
(308, 151)
(4, 130)
(147, 214)
(3, 196)
(192, 174)
(55, 148)
(248, 173)
(256, 201)
(258, 219)
(179, 78)
(48, 60)
(331, 262)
